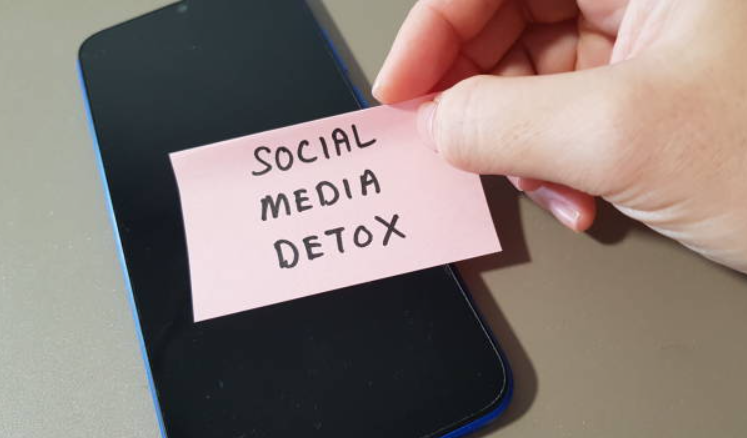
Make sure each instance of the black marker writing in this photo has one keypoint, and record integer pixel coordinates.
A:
(324, 194)
(285, 157)
(290, 254)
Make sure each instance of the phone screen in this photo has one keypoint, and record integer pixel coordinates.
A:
(401, 357)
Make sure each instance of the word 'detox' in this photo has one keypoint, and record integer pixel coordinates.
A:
(306, 209)
(358, 237)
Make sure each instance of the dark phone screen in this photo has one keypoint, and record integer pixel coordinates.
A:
(400, 357)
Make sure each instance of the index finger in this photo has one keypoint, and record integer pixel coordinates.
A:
(428, 44)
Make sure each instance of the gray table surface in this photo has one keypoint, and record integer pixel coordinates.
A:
(613, 333)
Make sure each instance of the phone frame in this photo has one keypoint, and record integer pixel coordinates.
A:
(472, 426)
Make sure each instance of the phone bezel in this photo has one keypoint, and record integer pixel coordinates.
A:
(504, 396)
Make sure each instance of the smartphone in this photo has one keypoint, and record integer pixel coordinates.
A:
(406, 356)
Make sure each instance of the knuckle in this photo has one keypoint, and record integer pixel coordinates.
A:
(626, 120)
(460, 129)
(645, 116)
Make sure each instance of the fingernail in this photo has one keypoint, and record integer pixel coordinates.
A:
(426, 114)
(376, 88)
(515, 181)
(565, 213)
(524, 184)
(561, 208)
(529, 184)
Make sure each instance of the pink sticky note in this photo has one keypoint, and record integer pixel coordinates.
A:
(366, 198)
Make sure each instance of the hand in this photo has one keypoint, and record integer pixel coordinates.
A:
(641, 102)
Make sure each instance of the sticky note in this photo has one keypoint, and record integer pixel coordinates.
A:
(322, 205)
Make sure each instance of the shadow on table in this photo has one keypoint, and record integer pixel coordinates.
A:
(503, 201)
(611, 226)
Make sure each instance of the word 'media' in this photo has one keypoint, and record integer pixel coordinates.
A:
(323, 194)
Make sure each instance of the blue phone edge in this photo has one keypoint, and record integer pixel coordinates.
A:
(120, 251)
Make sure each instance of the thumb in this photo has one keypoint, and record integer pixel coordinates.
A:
(561, 128)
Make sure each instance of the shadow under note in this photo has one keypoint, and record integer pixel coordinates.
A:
(503, 202)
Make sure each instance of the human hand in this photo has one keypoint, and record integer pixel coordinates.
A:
(641, 102)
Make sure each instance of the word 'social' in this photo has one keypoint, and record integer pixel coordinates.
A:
(289, 254)
(284, 158)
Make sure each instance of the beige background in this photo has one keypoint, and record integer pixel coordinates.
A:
(616, 333)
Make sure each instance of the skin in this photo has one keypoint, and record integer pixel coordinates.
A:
(640, 102)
